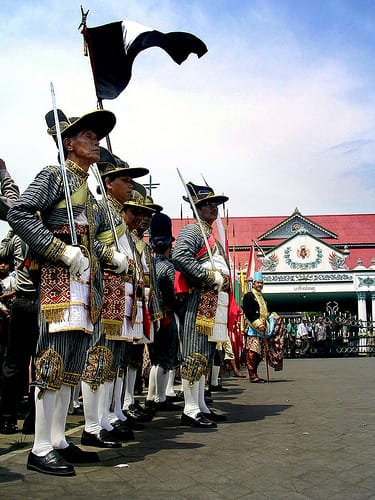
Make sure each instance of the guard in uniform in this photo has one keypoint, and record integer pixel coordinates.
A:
(138, 213)
(164, 350)
(9, 191)
(265, 335)
(71, 283)
(103, 428)
(203, 286)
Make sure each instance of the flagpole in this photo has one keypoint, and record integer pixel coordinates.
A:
(107, 138)
(87, 50)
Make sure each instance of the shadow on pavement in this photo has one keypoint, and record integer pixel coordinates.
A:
(251, 412)
(6, 476)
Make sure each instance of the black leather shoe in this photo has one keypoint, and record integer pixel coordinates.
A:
(122, 434)
(52, 463)
(75, 455)
(102, 440)
(166, 406)
(177, 398)
(146, 410)
(149, 404)
(135, 413)
(215, 417)
(128, 425)
(199, 421)
(217, 388)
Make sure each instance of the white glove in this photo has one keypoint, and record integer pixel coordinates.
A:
(119, 262)
(219, 280)
(75, 260)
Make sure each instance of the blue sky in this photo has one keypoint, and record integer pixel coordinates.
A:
(278, 114)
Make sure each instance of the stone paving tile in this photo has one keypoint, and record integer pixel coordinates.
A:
(308, 434)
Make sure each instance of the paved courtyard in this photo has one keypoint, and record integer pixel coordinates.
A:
(309, 434)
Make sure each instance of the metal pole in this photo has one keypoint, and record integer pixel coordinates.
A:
(95, 170)
(69, 207)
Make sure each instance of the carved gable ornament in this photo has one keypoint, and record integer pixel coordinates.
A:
(304, 253)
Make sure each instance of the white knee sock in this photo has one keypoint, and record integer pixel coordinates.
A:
(191, 398)
(161, 384)
(105, 398)
(151, 392)
(118, 399)
(111, 414)
(44, 410)
(91, 409)
(131, 375)
(59, 417)
(76, 394)
(202, 403)
(170, 385)
(117, 413)
(215, 375)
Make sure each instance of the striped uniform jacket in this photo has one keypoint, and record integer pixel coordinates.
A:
(165, 274)
(146, 263)
(165, 277)
(127, 247)
(122, 230)
(41, 211)
(189, 242)
(9, 193)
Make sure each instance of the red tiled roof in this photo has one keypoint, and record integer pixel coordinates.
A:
(351, 229)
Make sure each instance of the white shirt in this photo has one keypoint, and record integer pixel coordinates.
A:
(302, 330)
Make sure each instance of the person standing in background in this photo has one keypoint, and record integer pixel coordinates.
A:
(9, 191)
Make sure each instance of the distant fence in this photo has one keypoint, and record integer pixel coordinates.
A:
(336, 346)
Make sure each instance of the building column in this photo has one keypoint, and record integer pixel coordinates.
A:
(373, 309)
(362, 311)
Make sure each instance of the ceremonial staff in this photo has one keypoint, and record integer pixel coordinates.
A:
(198, 220)
(95, 171)
(69, 207)
(266, 355)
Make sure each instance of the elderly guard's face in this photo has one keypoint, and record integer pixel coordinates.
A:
(83, 148)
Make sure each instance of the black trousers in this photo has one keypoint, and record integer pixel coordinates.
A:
(22, 340)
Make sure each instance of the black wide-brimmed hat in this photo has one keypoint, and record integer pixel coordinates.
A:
(99, 121)
(112, 166)
(149, 202)
(161, 230)
(200, 194)
(138, 199)
(135, 171)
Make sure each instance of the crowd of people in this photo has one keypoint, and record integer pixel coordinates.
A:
(93, 304)
(307, 337)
